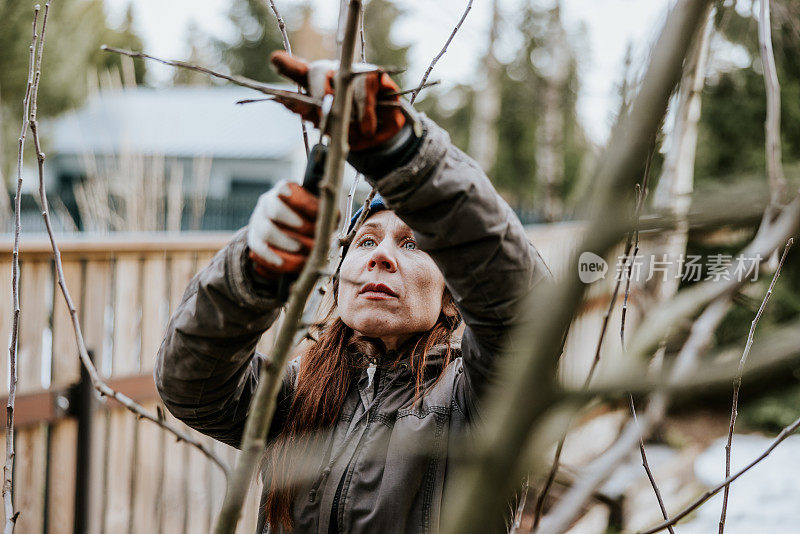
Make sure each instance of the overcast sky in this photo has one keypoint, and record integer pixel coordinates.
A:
(606, 27)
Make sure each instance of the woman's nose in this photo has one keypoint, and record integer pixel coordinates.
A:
(383, 258)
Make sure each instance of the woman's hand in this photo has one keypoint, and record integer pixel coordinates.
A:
(281, 230)
(378, 115)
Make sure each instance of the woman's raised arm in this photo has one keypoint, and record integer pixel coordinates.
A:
(207, 367)
(473, 236)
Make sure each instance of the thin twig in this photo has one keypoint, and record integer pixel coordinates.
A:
(385, 103)
(548, 483)
(236, 80)
(641, 195)
(281, 26)
(361, 218)
(414, 90)
(737, 383)
(351, 194)
(262, 406)
(348, 210)
(8, 468)
(785, 433)
(441, 52)
(647, 467)
(772, 125)
(520, 508)
(97, 382)
(288, 47)
(362, 35)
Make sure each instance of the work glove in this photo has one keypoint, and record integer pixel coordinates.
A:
(281, 230)
(375, 119)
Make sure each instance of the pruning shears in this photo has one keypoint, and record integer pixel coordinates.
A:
(315, 169)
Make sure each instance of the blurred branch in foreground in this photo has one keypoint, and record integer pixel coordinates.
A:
(482, 487)
(264, 401)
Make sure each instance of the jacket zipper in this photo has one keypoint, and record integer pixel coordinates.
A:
(333, 527)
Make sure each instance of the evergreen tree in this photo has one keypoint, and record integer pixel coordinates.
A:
(514, 172)
(451, 109)
(75, 32)
(731, 142)
(379, 19)
(259, 36)
(198, 55)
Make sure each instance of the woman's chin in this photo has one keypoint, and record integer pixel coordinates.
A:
(376, 324)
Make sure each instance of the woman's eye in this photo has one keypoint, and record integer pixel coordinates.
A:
(410, 245)
(367, 242)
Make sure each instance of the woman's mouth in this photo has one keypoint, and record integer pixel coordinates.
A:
(377, 292)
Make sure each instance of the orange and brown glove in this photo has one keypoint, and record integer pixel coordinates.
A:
(281, 230)
(373, 123)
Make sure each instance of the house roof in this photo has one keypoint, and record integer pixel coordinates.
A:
(179, 121)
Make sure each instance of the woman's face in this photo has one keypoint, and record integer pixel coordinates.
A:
(389, 288)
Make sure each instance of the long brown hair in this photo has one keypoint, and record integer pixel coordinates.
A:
(324, 377)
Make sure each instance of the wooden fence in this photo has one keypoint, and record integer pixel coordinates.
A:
(84, 464)
(111, 473)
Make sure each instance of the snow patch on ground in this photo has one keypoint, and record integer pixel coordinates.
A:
(765, 499)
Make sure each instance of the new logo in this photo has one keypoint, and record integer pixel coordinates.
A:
(591, 267)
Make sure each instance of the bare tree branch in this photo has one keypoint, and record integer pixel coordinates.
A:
(779, 352)
(361, 218)
(441, 52)
(719, 295)
(599, 470)
(414, 90)
(263, 403)
(236, 80)
(673, 192)
(772, 125)
(281, 26)
(737, 383)
(551, 476)
(481, 487)
(686, 303)
(97, 382)
(641, 194)
(8, 468)
(646, 466)
(362, 35)
(288, 47)
(785, 433)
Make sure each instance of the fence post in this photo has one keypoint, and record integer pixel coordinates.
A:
(84, 405)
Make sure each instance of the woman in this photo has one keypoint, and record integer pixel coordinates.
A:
(385, 393)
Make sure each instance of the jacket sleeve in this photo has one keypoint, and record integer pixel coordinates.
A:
(207, 368)
(476, 240)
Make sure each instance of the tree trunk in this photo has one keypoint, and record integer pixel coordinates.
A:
(676, 183)
(550, 135)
